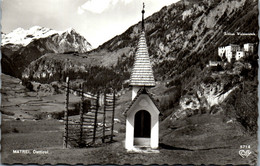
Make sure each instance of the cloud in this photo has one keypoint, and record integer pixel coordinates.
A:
(127, 1)
(114, 2)
(96, 6)
(169, 2)
(80, 10)
(99, 6)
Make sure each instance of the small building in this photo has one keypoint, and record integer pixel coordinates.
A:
(231, 51)
(214, 63)
(142, 122)
(239, 55)
(232, 48)
(221, 51)
(249, 47)
(142, 115)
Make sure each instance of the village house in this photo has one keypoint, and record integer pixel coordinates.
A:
(239, 55)
(214, 63)
(249, 47)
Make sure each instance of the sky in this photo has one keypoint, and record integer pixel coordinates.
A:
(96, 20)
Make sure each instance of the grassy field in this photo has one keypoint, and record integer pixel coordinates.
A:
(200, 139)
(186, 149)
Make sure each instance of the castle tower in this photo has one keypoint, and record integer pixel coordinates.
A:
(142, 115)
(142, 73)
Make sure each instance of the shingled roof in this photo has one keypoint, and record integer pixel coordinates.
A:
(142, 73)
(142, 91)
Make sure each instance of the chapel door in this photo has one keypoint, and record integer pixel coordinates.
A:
(142, 127)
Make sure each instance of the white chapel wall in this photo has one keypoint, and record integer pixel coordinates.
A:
(154, 112)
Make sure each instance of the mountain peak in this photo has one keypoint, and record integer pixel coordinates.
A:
(23, 37)
(18, 30)
(70, 30)
(38, 41)
(36, 27)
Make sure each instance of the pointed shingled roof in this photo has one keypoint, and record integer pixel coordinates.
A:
(142, 73)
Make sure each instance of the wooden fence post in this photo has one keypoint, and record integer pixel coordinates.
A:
(66, 118)
(113, 115)
(81, 113)
(104, 118)
(95, 123)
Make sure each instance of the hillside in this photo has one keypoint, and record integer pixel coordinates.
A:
(199, 139)
(183, 37)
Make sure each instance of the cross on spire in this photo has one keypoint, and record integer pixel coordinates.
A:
(143, 17)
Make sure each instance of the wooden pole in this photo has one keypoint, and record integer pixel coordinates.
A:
(95, 123)
(81, 113)
(66, 118)
(113, 115)
(104, 118)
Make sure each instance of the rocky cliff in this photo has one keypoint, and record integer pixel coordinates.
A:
(190, 27)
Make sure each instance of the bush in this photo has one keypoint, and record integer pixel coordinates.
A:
(28, 85)
(217, 68)
(15, 130)
(203, 110)
(57, 115)
(243, 105)
(56, 89)
(40, 116)
(7, 113)
(246, 111)
(208, 80)
(171, 100)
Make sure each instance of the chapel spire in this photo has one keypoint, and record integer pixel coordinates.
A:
(143, 11)
(142, 72)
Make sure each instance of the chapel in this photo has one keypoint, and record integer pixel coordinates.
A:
(142, 115)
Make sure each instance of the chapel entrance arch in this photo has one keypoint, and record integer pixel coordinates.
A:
(142, 124)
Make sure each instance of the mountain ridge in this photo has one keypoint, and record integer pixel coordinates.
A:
(24, 37)
(20, 47)
(179, 33)
(182, 37)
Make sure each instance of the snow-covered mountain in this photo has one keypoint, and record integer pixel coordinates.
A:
(20, 47)
(24, 37)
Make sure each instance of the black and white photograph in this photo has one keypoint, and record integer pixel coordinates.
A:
(128, 82)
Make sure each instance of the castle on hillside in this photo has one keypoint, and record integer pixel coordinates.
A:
(235, 51)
